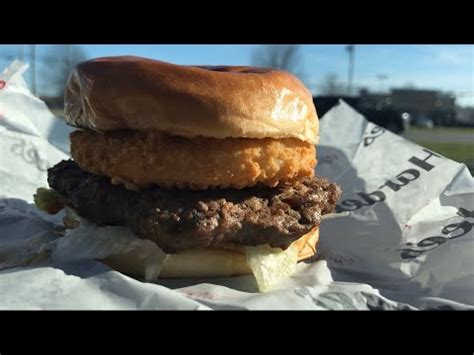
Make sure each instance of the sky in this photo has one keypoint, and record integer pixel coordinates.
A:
(443, 67)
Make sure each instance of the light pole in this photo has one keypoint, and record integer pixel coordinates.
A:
(33, 68)
(350, 77)
(21, 52)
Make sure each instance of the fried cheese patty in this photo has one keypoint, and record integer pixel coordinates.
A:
(139, 159)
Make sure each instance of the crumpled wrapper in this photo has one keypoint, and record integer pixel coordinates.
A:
(406, 244)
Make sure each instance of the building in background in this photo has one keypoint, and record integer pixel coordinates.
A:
(436, 106)
(401, 107)
(465, 116)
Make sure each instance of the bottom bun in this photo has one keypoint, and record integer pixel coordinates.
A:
(205, 263)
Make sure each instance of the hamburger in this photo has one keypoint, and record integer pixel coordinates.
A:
(215, 165)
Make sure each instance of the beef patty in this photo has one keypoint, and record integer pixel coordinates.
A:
(183, 219)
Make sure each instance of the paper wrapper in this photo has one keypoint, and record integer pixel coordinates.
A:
(407, 243)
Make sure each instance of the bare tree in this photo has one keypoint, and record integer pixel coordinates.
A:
(59, 64)
(331, 85)
(287, 58)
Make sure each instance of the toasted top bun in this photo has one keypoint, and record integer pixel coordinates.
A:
(200, 263)
(128, 92)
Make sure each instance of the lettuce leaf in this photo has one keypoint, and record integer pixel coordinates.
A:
(48, 200)
(270, 265)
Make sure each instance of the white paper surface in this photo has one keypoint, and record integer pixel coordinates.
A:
(408, 242)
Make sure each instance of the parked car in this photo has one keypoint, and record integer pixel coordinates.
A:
(423, 121)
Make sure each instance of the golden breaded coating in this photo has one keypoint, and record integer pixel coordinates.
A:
(140, 159)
